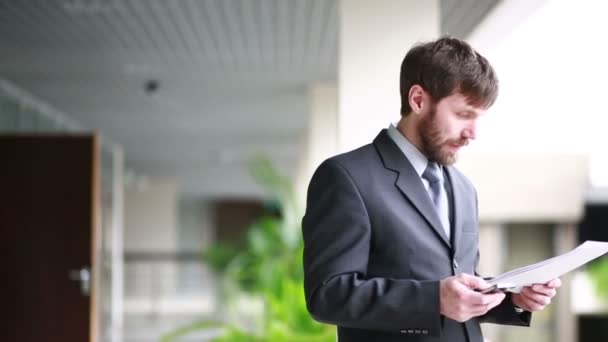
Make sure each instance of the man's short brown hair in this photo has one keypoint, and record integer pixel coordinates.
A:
(446, 66)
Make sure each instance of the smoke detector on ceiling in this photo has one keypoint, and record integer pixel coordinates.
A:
(151, 86)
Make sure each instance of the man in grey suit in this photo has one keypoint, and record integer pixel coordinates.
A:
(390, 229)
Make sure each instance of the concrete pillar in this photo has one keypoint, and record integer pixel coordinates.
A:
(321, 139)
(151, 217)
(492, 249)
(530, 242)
(493, 253)
(566, 327)
(373, 39)
(374, 36)
(150, 223)
(117, 245)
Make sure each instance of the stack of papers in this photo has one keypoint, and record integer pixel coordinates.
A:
(547, 270)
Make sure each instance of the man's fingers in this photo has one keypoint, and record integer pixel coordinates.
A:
(489, 302)
(476, 298)
(486, 300)
(542, 289)
(494, 299)
(478, 311)
(460, 301)
(473, 282)
(537, 297)
(530, 304)
(498, 299)
(555, 283)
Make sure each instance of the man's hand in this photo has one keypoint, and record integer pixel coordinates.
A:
(536, 297)
(460, 302)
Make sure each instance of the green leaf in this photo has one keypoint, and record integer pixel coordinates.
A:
(187, 329)
(219, 256)
(268, 266)
(598, 272)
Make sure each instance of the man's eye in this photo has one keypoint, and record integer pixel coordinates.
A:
(465, 115)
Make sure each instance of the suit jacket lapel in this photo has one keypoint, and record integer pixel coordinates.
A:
(409, 182)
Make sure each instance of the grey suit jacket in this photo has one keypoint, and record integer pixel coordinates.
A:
(374, 249)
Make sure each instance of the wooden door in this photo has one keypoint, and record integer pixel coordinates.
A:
(48, 213)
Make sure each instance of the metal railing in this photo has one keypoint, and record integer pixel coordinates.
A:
(168, 283)
(164, 291)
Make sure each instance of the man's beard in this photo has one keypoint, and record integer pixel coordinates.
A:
(433, 140)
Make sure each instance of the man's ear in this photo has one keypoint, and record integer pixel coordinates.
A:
(417, 99)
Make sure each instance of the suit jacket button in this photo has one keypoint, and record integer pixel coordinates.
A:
(417, 331)
(404, 331)
(410, 331)
(424, 331)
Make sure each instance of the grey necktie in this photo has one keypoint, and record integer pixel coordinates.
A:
(432, 174)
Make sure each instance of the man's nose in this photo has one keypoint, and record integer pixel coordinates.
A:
(470, 132)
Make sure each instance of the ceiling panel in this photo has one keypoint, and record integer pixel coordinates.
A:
(231, 74)
(460, 17)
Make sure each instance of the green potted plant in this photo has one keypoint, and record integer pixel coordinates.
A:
(267, 268)
(598, 273)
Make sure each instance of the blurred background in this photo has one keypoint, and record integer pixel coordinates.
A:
(155, 155)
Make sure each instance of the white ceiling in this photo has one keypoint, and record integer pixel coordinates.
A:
(460, 17)
(232, 76)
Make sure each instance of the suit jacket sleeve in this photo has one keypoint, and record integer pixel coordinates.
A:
(505, 312)
(337, 235)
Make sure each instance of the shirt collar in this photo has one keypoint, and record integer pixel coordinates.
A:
(411, 152)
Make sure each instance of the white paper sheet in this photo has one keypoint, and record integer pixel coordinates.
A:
(546, 270)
